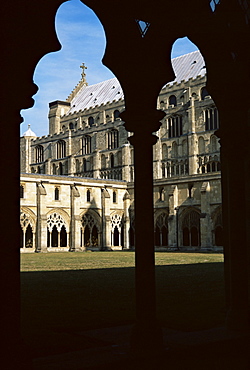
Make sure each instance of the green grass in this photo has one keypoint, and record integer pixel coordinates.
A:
(66, 293)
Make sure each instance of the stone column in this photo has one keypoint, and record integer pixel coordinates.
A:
(74, 242)
(173, 217)
(126, 204)
(106, 226)
(41, 227)
(205, 220)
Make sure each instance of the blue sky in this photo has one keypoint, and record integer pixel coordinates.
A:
(82, 38)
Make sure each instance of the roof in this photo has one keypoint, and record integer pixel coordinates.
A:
(185, 67)
(29, 132)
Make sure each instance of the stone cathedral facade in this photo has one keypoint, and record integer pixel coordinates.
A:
(77, 182)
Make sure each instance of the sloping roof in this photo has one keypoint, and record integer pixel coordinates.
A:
(185, 67)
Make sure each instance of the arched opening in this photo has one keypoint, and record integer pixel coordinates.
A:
(63, 237)
(95, 236)
(116, 237)
(29, 237)
(191, 228)
(86, 237)
(54, 236)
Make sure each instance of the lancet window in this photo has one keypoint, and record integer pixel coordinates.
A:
(175, 128)
(211, 119)
(86, 144)
(172, 100)
(113, 139)
(39, 153)
(61, 149)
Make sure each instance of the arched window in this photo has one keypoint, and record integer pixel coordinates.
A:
(85, 165)
(54, 169)
(116, 114)
(21, 191)
(162, 194)
(211, 119)
(77, 165)
(60, 169)
(113, 139)
(204, 93)
(175, 126)
(114, 197)
(103, 161)
(91, 121)
(39, 153)
(172, 100)
(56, 193)
(184, 147)
(88, 195)
(201, 145)
(191, 228)
(213, 143)
(112, 162)
(174, 152)
(164, 151)
(161, 230)
(61, 149)
(86, 144)
(71, 126)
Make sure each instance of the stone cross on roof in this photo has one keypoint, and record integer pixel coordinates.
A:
(83, 71)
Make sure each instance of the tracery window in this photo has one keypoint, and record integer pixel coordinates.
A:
(86, 144)
(211, 119)
(172, 100)
(26, 231)
(191, 228)
(175, 126)
(57, 231)
(39, 153)
(113, 139)
(60, 149)
(90, 231)
(117, 230)
(161, 230)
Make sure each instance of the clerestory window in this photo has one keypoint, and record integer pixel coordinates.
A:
(175, 128)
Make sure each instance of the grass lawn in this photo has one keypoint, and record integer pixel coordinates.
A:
(66, 293)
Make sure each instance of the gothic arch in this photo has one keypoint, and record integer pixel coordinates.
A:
(217, 226)
(29, 215)
(117, 228)
(90, 229)
(190, 227)
(58, 217)
(161, 228)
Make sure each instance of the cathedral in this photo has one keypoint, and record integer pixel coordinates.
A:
(77, 183)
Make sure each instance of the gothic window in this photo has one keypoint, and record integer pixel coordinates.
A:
(77, 165)
(54, 169)
(71, 126)
(56, 193)
(91, 121)
(164, 151)
(114, 197)
(116, 114)
(117, 230)
(113, 139)
(172, 100)
(103, 161)
(174, 150)
(112, 160)
(90, 231)
(39, 153)
(184, 148)
(88, 195)
(162, 194)
(213, 143)
(211, 119)
(191, 228)
(57, 232)
(175, 126)
(161, 230)
(21, 191)
(60, 149)
(86, 144)
(201, 145)
(204, 93)
(84, 165)
(60, 169)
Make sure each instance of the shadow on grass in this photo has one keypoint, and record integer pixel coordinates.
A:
(58, 305)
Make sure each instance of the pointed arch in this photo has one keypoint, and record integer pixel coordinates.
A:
(190, 226)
